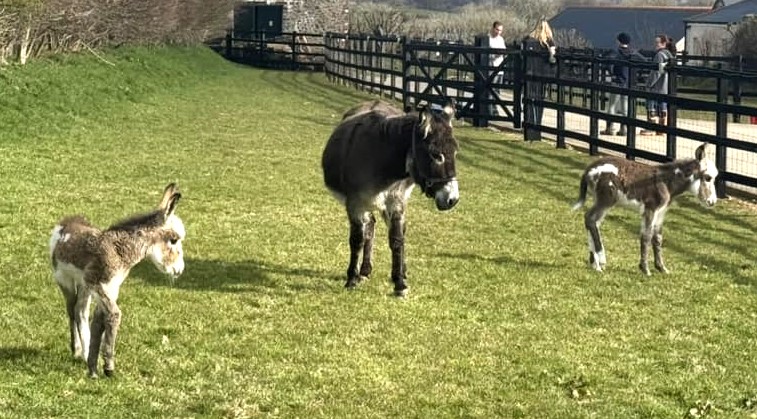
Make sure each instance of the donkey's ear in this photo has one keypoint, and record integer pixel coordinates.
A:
(173, 201)
(424, 121)
(168, 192)
(700, 151)
(450, 109)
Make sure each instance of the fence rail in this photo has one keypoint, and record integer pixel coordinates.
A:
(711, 99)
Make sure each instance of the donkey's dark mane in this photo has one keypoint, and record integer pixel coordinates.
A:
(398, 126)
(148, 220)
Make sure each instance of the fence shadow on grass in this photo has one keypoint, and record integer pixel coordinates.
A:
(525, 164)
(502, 260)
(236, 276)
(313, 92)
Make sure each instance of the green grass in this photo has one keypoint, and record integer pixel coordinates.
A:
(503, 319)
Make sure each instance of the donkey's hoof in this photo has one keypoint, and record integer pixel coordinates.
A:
(401, 292)
(662, 269)
(352, 283)
(644, 269)
(92, 374)
(108, 373)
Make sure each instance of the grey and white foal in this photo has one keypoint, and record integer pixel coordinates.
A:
(651, 189)
(88, 261)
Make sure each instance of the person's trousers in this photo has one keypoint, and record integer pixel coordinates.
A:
(533, 113)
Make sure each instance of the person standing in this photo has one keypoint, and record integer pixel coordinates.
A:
(657, 110)
(496, 41)
(620, 77)
(540, 62)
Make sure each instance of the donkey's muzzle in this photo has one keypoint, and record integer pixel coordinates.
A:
(446, 197)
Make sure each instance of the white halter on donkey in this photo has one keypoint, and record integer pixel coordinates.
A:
(615, 181)
(88, 261)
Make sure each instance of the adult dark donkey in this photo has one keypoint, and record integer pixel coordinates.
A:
(372, 161)
(615, 181)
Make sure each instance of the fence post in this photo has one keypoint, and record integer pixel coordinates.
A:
(294, 50)
(560, 143)
(518, 90)
(594, 106)
(633, 77)
(721, 131)
(670, 146)
(736, 86)
(479, 84)
(406, 57)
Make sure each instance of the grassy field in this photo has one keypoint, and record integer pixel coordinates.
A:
(503, 319)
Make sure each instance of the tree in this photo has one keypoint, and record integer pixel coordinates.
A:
(744, 39)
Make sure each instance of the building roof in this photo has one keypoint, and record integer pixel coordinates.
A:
(601, 25)
(726, 14)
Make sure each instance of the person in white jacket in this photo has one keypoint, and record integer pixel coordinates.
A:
(496, 41)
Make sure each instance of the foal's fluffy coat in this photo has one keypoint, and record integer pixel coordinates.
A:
(90, 262)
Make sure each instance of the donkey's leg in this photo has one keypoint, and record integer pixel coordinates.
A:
(394, 215)
(75, 341)
(81, 318)
(659, 264)
(357, 238)
(647, 227)
(67, 288)
(370, 226)
(105, 330)
(98, 327)
(112, 324)
(592, 221)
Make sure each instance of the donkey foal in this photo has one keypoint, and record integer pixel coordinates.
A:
(88, 261)
(651, 189)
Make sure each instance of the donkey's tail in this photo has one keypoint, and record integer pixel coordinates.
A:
(581, 193)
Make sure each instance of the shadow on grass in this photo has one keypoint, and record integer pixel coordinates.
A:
(530, 165)
(13, 354)
(314, 90)
(688, 242)
(238, 276)
(502, 260)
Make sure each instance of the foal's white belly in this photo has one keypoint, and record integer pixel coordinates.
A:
(68, 276)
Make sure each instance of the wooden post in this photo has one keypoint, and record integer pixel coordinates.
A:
(594, 106)
(670, 146)
(517, 63)
(479, 84)
(294, 50)
(560, 112)
(721, 131)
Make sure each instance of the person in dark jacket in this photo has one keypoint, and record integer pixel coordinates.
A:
(620, 77)
(540, 62)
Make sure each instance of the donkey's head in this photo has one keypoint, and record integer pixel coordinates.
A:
(433, 156)
(165, 250)
(703, 184)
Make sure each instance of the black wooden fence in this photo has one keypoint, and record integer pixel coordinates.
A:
(437, 71)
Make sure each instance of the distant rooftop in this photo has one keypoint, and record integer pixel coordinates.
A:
(601, 25)
(732, 13)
